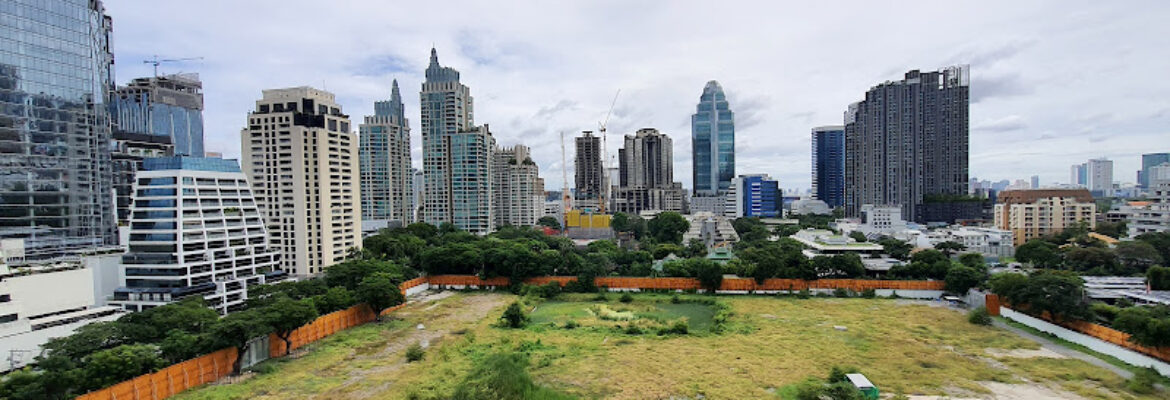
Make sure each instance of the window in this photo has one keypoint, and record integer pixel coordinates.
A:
(7, 318)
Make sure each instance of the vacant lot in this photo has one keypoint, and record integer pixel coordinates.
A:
(736, 347)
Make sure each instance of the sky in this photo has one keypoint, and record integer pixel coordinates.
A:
(1053, 83)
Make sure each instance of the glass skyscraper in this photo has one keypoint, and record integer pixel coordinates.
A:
(384, 156)
(170, 106)
(713, 142)
(828, 165)
(55, 174)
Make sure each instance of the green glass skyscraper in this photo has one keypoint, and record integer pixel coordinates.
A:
(713, 142)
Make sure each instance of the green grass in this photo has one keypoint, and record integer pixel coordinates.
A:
(768, 345)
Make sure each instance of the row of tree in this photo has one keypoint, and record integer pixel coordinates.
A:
(101, 354)
(1074, 250)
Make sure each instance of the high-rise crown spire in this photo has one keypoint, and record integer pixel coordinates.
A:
(394, 95)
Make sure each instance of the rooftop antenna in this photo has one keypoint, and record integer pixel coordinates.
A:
(156, 61)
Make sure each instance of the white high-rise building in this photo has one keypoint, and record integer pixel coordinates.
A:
(1099, 176)
(517, 187)
(302, 161)
(384, 154)
(195, 230)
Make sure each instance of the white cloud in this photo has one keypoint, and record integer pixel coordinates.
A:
(536, 69)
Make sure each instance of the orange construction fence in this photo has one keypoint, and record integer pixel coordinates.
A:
(622, 282)
(1109, 335)
(171, 380)
(320, 328)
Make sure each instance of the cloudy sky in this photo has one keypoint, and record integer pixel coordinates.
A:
(1053, 83)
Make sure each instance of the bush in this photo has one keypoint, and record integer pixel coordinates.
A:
(675, 299)
(868, 294)
(414, 353)
(679, 327)
(633, 330)
(840, 292)
(571, 324)
(549, 290)
(979, 316)
(601, 296)
(626, 298)
(803, 294)
(514, 316)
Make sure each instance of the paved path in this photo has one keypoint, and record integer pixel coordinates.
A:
(1072, 353)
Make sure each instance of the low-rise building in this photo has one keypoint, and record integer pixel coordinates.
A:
(1153, 215)
(825, 242)
(1031, 214)
(713, 230)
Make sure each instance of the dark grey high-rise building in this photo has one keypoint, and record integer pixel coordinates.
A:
(907, 144)
(55, 80)
(588, 168)
(646, 170)
(828, 165)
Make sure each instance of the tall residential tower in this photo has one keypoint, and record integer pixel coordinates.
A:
(828, 165)
(907, 144)
(446, 107)
(588, 170)
(384, 153)
(646, 169)
(713, 142)
(301, 160)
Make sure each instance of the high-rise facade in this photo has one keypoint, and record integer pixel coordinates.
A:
(195, 230)
(828, 165)
(153, 117)
(517, 187)
(55, 172)
(470, 175)
(1149, 161)
(1079, 174)
(1099, 174)
(713, 142)
(907, 143)
(446, 107)
(301, 159)
(646, 170)
(588, 170)
(384, 154)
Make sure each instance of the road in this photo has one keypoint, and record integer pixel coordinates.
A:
(1071, 353)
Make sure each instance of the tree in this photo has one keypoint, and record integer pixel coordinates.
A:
(87, 340)
(1092, 260)
(973, 260)
(896, 248)
(336, 298)
(514, 316)
(179, 346)
(454, 258)
(959, 279)
(1040, 253)
(838, 266)
(858, 236)
(422, 230)
(1160, 241)
(665, 249)
(950, 247)
(696, 248)
(710, 273)
(286, 315)
(1147, 325)
(107, 367)
(1059, 293)
(668, 227)
(1158, 278)
(379, 291)
(550, 222)
(785, 230)
(930, 256)
(1008, 285)
(1137, 256)
(1112, 229)
(237, 329)
(350, 274)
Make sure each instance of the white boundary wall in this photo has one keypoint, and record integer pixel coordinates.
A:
(1098, 345)
(418, 289)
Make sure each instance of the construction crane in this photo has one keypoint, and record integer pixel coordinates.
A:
(156, 61)
(604, 195)
(566, 199)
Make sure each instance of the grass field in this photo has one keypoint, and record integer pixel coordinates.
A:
(761, 349)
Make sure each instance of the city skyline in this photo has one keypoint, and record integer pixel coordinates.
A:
(1027, 95)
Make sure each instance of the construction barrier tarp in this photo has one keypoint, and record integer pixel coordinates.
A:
(171, 380)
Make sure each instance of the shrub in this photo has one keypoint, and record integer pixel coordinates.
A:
(1104, 312)
(675, 299)
(633, 330)
(549, 290)
(803, 294)
(837, 374)
(840, 292)
(868, 293)
(514, 316)
(414, 353)
(601, 296)
(571, 324)
(679, 328)
(626, 298)
(979, 316)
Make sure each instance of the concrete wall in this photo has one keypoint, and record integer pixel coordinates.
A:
(417, 289)
(43, 293)
(1098, 345)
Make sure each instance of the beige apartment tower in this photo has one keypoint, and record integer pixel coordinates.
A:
(1030, 214)
(302, 162)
